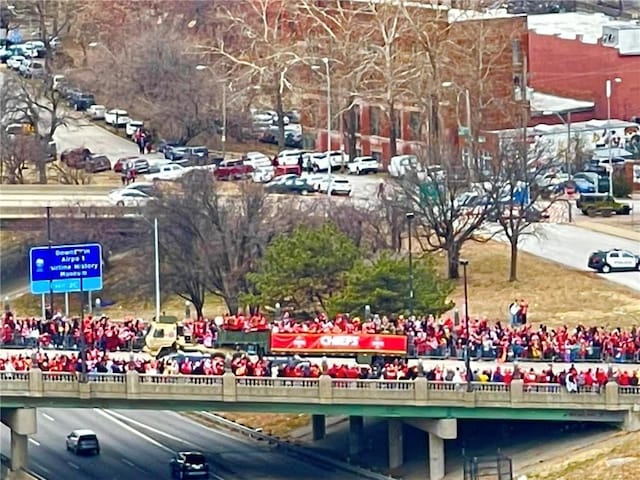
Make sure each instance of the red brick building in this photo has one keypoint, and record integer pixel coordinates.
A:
(573, 55)
(493, 104)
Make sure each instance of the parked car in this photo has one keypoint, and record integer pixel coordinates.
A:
(400, 165)
(96, 112)
(295, 185)
(189, 465)
(167, 172)
(34, 70)
(335, 186)
(97, 164)
(601, 204)
(129, 198)
(22, 68)
(605, 261)
(15, 61)
(291, 156)
(75, 157)
(121, 163)
(140, 165)
(132, 127)
(117, 117)
(148, 188)
(164, 144)
(35, 49)
(81, 102)
(233, 170)
(257, 159)
(363, 165)
(178, 153)
(80, 441)
(323, 161)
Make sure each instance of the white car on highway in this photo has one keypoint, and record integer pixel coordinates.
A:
(129, 197)
(116, 117)
(363, 165)
(171, 171)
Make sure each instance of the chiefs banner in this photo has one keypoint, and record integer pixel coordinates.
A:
(338, 343)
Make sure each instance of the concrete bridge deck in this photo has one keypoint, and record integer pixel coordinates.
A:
(433, 407)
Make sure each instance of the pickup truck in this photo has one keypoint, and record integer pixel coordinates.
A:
(169, 171)
(233, 170)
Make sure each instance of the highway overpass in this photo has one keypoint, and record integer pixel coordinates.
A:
(430, 406)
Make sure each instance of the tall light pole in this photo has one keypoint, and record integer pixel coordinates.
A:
(410, 216)
(325, 60)
(467, 351)
(223, 137)
(156, 248)
(608, 90)
(566, 123)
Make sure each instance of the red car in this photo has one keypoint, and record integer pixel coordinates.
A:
(233, 170)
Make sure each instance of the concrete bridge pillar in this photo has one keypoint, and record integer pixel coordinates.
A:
(436, 457)
(318, 426)
(356, 435)
(396, 444)
(438, 431)
(22, 422)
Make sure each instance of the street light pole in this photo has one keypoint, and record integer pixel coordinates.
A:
(156, 249)
(325, 60)
(410, 216)
(467, 355)
(608, 90)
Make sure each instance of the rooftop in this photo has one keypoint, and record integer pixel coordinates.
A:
(544, 102)
(584, 26)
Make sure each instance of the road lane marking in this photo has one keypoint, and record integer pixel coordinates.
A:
(48, 417)
(73, 465)
(132, 430)
(35, 442)
(151, 429)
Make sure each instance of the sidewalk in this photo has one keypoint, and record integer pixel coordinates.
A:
(608, 229)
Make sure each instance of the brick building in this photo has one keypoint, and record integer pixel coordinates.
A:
(573, 55)
(489, 36)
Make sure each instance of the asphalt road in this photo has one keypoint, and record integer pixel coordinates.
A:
(139, 444)
(571, 246)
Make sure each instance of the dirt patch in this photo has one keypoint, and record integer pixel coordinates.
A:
(617, 458)
(557, 295)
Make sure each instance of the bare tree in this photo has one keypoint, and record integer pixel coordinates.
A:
(257, 43)
(517, 206)
(211, 240)
(438, 192)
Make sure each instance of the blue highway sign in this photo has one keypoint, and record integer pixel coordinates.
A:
(66, 268)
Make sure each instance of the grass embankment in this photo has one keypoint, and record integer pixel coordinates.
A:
(617, 458)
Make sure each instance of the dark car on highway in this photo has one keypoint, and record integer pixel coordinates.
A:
(189, 465)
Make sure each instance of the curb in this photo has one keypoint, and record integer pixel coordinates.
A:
(609, 230)
(292, 449)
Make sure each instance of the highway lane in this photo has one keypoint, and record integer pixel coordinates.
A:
(139, 444)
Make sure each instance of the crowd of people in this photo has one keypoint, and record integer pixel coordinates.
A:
(446, 338)
(428, 337)
(64, 333)
(101, 362)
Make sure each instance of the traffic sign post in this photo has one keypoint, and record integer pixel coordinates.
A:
(65, 268)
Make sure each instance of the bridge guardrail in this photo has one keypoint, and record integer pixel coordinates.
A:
(323, 390)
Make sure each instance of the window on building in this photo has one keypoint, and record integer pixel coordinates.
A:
(374, 121)
(484, 161)
(466, 157)
(397, 125)
(415, 126)
(377, 155)
(358, 152)
(356, 117)
(309, 142)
